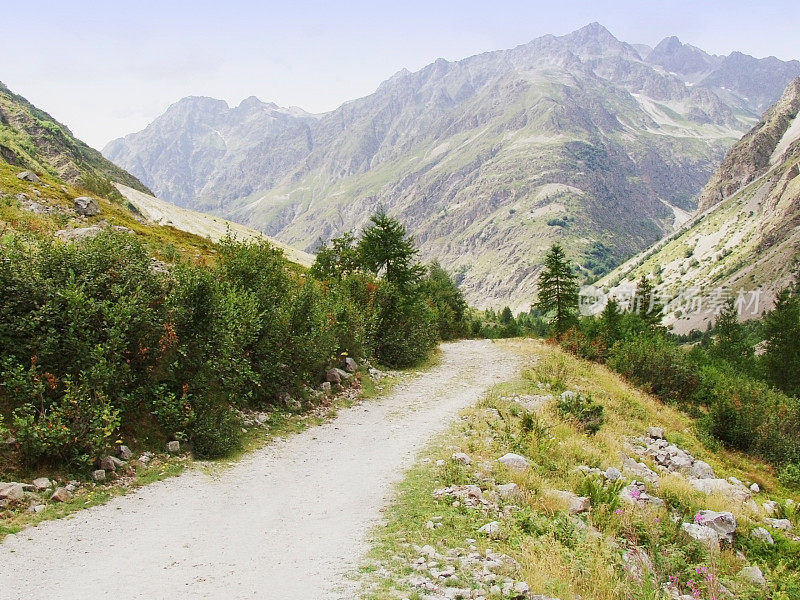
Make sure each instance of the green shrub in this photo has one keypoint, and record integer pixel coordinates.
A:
(588, 413)
(789, 475)
(216, 431)
(406, 330)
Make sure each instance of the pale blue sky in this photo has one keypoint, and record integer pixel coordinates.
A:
(107, 69)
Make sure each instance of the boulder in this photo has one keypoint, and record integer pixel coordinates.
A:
(332, 376)
(753, 575)
(86, 206)
(613, 474)
(721, 486)
(655, 433)
(639, 470)
(125, 453)
(762, 535)
(29, 176)
(702, 534)
(61, 495)
(770, 507)
(724, 523)
(514, 461)
(71, 235)
(508, 490)
(701, 470)
(14, 492)
(574, 503)
(491, 529)
(173, 446)
(36, 508)
(350, 365)
(108, 464)
(755, 488)
(42, 483)
(462, 458)
(99, 475)
(782, 524)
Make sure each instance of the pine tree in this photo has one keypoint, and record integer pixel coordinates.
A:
(386, 250)
(782, 335)
(558, 290)
(646, 304)
(731, 344)
(611, 323)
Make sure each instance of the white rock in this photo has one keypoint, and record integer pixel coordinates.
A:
(462, 458)
(783, 524)
(508, 490)
(514, 461)
(41, 484)
(753, 575)
(440, 463)
(656, 433)
(721, 486)
(702, 534)
(759, 533)
(755, 488)
(770, 507)
(173, 446)
(99, 475)
(521, 587)
(613, 474)
(574, 503)
(701, 470)
(490, 529)
(724, 523)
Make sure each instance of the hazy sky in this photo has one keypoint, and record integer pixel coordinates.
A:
(106, 69)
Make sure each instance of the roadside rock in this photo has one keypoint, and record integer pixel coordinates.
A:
(125, 453)
(761, 534)
(86, 206)
(61, 495)
(462, 458)
(173, 446)
(350, 365)
(41, 484)
(14, 492)
(99, 475)
(514, 461)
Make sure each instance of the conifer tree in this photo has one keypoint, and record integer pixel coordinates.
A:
(731, 342)
(782, 335)
(386, 250)
(558, 290)
(646, 304)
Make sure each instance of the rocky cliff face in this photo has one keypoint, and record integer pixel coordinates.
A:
(488, 160)
(747, 239)
(32, 139)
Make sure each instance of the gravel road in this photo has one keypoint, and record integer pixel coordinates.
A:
(288, 522)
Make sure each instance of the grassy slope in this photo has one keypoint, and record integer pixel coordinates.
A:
(556, 556)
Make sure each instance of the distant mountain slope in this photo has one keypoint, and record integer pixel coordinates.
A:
(201, 224)
(488, 160)
(748, 236)
(32, 139)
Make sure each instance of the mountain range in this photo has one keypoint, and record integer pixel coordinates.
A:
(582, 139)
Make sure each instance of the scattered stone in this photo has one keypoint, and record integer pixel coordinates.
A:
(470, 496)
(333, 376)
(173, 446)
(721, 486)
(755, 488)
(753, 575)
(508, 491)
(86, 206)
(613, 474)
(574, 503)
(636, 493)
(144, 459)
(701, 470)
(724, 523)
(521, 588)
(782, 524)
(13, 492)
(761, 534)
(702, 534)
(61, 495)
(639, 470)
(36, 508)
(491, 529)
(514, 461)
(770, 507)
(71, 235)
(125, 453)
(655, 433)
(326, 387)
(350, 365)
(99, 475)
(29, 176)
(41, 484)
(462, 458)
(107, 464)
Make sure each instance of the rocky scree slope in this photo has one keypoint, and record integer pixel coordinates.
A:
(488, 159)
(748, 235)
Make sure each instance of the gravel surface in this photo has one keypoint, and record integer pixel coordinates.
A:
(288, 522)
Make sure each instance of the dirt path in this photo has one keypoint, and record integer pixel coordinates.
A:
(286, 523)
